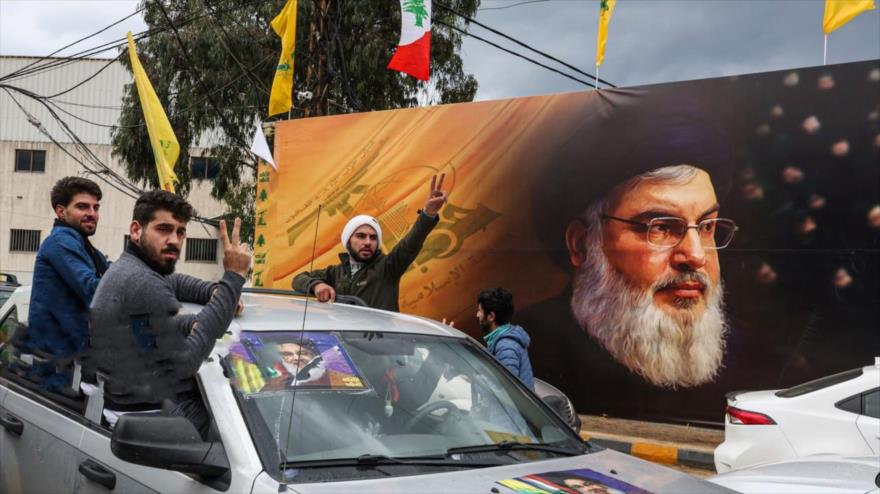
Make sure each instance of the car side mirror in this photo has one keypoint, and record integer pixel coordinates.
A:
(168, 442)
(559, 403)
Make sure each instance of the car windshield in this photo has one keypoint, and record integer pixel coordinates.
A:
(4, 296)
(356, 395)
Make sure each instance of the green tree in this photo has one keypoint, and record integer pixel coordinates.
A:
(214, 73)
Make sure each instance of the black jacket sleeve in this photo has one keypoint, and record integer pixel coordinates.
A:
(305, 282)
(406, 251)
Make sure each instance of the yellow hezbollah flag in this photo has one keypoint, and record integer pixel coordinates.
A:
(839, 12)
(606, 7)
(162, 139)
(282, 86)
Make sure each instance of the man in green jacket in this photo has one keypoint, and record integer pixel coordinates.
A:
(364, 271)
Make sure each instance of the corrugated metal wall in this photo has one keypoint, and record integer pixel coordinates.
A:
(98, 100)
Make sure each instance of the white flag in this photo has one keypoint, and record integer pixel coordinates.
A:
(261, 148)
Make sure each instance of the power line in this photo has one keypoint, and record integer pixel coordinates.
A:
(87, 79)
(520, 43)
(115, 44)
(438, 21)
(104, 172)
(138, 11)
(217, 25)
(512, 5)
(232, 131)
(36, 123)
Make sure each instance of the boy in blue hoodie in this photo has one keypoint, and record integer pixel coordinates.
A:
(508, 342)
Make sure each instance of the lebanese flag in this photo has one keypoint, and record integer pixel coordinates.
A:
(413, 55)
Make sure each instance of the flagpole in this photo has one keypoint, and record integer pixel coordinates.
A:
(825, 51)
(596, 82)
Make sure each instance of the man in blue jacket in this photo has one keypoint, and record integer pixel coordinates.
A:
(66, 275)
(508, 342)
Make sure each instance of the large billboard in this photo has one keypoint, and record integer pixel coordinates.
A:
(578, 203)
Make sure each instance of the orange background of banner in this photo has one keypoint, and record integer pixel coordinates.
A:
(381, 164)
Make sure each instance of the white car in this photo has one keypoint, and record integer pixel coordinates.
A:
(820, 474)
(337, 399)
(837, 414)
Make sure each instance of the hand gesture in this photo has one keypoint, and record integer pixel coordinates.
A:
(324, 292)
(436, 198)
(451, 323)
(236, 255)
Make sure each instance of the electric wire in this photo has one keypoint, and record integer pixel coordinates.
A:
(222, 39)
(103, 171)
(138, 11)
(438, 21)
(227, 127)
(512, 5)
(114, 44)
(520, 43)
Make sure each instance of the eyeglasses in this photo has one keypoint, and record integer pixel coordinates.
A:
(667, 232)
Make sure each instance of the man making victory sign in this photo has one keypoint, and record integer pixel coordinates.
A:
(366, 272)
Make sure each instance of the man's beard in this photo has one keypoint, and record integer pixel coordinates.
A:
(358, 257)
(156, 261)
(680, 350)
(312, 371)
(484, 326)
(78, 226)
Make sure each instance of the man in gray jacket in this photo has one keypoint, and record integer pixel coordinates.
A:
(149, 351)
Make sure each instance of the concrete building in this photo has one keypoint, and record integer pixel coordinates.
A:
(30, 164)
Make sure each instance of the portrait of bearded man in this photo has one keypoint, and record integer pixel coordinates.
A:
(634, 200)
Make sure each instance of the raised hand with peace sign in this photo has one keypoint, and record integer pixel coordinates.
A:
(436, 197)
(236, 254)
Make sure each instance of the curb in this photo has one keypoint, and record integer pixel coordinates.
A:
(668, 454)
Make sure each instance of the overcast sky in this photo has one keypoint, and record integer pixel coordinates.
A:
(650, 41)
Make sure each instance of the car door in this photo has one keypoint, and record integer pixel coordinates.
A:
(39, 450)
(869, 420)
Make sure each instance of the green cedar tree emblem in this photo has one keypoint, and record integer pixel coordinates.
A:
(416, 8)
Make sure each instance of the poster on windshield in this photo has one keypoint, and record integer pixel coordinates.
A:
(664, 244)
(263, 362)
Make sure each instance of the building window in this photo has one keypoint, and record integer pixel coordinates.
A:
(204, 167)
(30, 160)
(24, 240)
(201, 249)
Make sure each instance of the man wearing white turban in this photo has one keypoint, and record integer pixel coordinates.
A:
(364, 271)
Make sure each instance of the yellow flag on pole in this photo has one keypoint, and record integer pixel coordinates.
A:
(284, 25)
(839, 12)
(162, 139)
(606, 7)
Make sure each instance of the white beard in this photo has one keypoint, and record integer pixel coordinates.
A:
(683, 350)
(314, 372)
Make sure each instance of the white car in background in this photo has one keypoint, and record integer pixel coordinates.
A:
(837, 414)
(820, 474)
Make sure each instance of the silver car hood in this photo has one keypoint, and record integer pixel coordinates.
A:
(642, 474)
